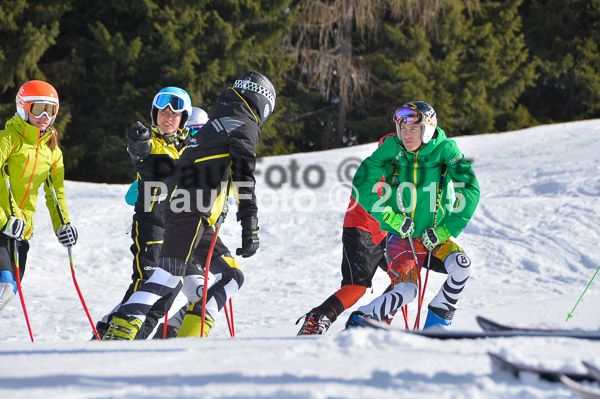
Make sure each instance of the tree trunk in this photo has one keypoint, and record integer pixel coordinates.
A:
(345, 83)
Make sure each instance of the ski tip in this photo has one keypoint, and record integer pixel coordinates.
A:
(592, 369)
(580, 390)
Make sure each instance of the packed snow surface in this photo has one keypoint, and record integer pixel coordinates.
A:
(533, 242)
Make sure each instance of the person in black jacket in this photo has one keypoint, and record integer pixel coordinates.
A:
(220, 155)
(154, 151)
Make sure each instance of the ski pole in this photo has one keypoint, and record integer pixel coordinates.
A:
(419, 291)
(390, 260)
(209, 258)
(229, 320)
(62, 220)
(569, 315)
(165, 325)
(205, 288)
(437, 205)
(18, 279)
(16, 260)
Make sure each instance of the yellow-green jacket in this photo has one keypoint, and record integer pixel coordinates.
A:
(27, 159)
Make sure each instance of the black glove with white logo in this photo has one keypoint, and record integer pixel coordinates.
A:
(250, 240)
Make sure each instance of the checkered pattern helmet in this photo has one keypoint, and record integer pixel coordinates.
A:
(258, 91)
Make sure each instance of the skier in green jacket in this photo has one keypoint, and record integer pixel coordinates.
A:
(431, 194)
(29, 157)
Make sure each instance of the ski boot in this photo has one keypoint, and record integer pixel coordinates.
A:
(122, 328)
(438, 319)
(101, 328)
(171, 331)
(389, 317)
(355, 319)
(192, 325)
(314, 324)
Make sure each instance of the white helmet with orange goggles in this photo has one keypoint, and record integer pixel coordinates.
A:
(417, 112)
(37, 98)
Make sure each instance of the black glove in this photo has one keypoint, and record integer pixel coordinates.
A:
(249, 237)
(139, 132)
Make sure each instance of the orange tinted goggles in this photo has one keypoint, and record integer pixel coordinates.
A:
(37, 109)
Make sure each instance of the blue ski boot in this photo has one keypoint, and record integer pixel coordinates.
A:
(355, 319)
(435, 321)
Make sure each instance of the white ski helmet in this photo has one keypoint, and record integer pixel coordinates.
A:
(198, 119)
(417, 112)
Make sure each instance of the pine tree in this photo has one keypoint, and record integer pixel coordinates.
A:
(28, 29)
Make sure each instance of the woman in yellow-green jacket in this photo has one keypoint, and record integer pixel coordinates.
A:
(29, 156)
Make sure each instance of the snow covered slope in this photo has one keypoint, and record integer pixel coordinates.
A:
(533, 241)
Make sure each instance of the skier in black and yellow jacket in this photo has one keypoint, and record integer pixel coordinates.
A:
(222, 151)
(154, 153)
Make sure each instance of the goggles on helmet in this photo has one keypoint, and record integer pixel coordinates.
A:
(162, 100)
(407, 115)
(194, 129)
(39, 108)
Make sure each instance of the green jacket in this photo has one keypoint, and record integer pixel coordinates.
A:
(27, 159)
(413, 179)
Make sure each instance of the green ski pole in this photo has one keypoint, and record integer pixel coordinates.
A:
(569, 315)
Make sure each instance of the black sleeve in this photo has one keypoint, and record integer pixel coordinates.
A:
(242, 150)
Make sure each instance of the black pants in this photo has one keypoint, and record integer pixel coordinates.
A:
(7, 258)
(147, 239)
(361, 257)
(186, 237)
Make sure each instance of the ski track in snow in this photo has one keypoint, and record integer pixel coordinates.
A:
(533, 241)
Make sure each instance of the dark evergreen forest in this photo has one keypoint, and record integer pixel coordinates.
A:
(340, 67)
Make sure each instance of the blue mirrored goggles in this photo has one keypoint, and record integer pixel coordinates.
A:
(162, 100)
(407, 115)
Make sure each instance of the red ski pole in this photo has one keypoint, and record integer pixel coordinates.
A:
(205, 289)
(437, 205)
(62, 220)
(16, 257)
(209, 258)
(87, 312)
(229, 317)
(165, 325)
(18, 279)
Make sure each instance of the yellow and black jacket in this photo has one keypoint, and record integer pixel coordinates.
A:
(224, 148)
(154, 160)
